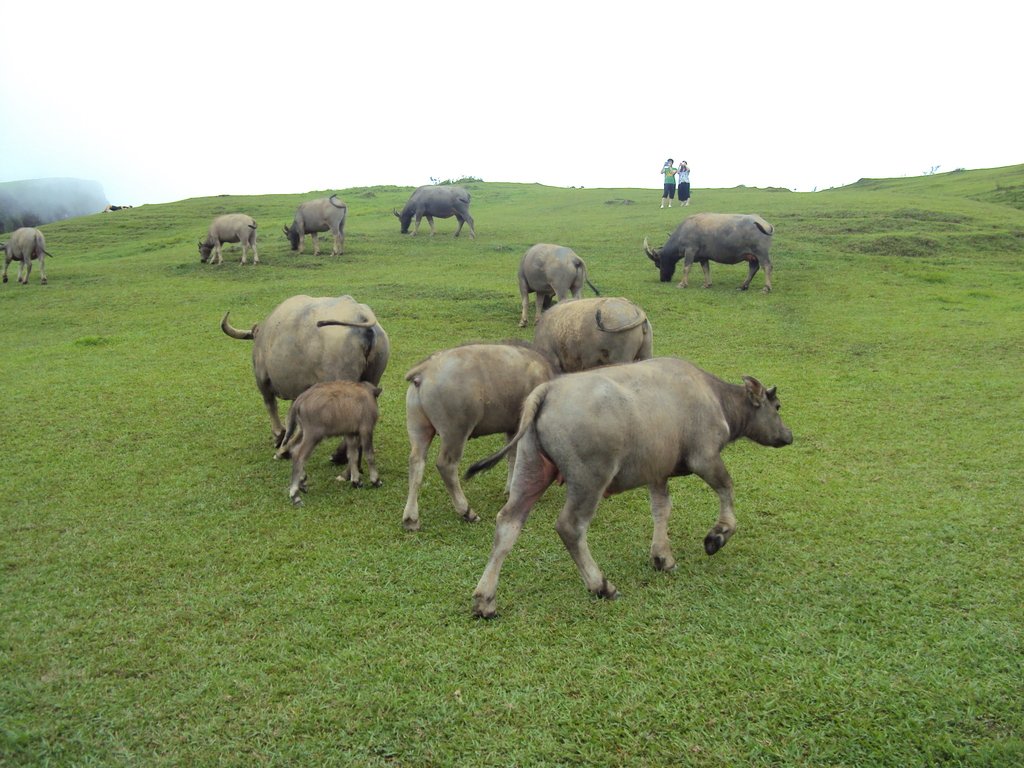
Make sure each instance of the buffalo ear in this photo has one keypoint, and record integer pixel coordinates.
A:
(755, 390)
(771, 393)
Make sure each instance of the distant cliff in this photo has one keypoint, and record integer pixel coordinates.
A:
(34, 202)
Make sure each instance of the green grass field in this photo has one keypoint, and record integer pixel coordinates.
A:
(162, 603)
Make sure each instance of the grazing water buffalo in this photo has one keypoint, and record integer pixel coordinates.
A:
(440, 201)
(587, 333)
(606, 431)
(229, 228)
(26, 245)
(550, 271)
(332, 409)
(461, 393)
(727, 238)
(306, 340)
(315, 216)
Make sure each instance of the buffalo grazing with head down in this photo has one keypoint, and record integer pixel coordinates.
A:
(586, 333)
(441, 201)
(229, 228)
(307, 340)
(549, 271)
(315, 216)
(612, 429)
(726, 238)
(462, 393)
(26, 245)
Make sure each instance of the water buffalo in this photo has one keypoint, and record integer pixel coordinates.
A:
(332, 409)
(306, 340)
(610, 430)
(550, 271)
(587, 333)
(315, 216)
(26, 245)
(461, 393)
(229, 228)
(727, 238)
(441, 201)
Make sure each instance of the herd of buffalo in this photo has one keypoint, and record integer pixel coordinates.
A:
(586, 404)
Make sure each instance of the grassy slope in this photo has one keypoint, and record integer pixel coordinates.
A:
(163, 604)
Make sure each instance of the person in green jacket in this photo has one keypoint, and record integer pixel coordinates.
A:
(669, 172)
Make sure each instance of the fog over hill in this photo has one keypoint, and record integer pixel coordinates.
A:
(34, 202)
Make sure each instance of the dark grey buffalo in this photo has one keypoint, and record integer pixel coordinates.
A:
(612, 429)
(726, 238)
(229, 228)
(462, 393)
(440, 201)
(26, 245)
(307, 340)
(550, 271)
(324, 215)
(586, 333)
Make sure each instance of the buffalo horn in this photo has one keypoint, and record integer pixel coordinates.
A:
(233, 332)
(651, 253)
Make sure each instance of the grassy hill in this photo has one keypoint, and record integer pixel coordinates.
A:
(163, 603)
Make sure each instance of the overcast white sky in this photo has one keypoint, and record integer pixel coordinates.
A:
(166, 101)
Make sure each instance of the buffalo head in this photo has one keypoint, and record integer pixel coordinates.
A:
(292, 233)
(666, 264)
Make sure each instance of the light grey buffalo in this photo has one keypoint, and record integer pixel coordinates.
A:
(459, 394)
(726, 238)
(587, 333)
(610, 430)
(324, 215)
(307, 340)
(550, 271)
(26, 245)
(229, 228)
(440, 201)
(332, 409)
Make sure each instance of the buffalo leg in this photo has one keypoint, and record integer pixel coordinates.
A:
(299, 456)
(687, 263)
(754, 266)
(42, 271)
(448, 458)
(430, 221)
(255, 253)
(714, 473)
(316, 244)
(352, 449)
(661, 508)
(524, 295)
(706, 266)
(461, 221)
(767, 277)
(270, 401)
(421, 434)
(366, 448)
(533, 475)
(580, 505)
(7, 263)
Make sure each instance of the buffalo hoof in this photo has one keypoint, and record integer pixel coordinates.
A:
(357, 483)
(607, 590)
(522, 323)
(743, 288)
(43, 281)
(483, 607)
(377, 483)
(470, 516)
(410, 524)
(714, 542)
(663, 563)
(766, 289)
(296, 501)
(5, 278)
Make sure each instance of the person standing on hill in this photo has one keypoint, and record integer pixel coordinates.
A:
(683, 176)
(668, 170)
